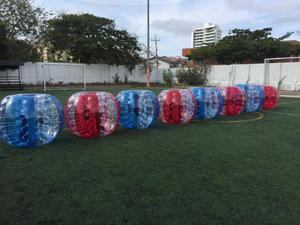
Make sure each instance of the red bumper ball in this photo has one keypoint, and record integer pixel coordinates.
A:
(234, 101)
(176, 106)
(271, 97)
(92, 114)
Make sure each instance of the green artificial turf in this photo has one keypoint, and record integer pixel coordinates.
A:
(212, 172)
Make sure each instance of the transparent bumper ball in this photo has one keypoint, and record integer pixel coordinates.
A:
(254, 97)
(234, 101)
(272, 97)
(139, 109)
(209, 102)
(176, 106)
(92, 114)
(30, 120)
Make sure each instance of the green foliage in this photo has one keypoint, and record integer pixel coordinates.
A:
(126, 79)
(280, 82)
(19, 49)
(168, 77)
(22, 19)
(116, 78)
(16, 49)
(3, 39)
(143, 66)
(91, 39)
(193, 74)
(20, 26)
(243, 44)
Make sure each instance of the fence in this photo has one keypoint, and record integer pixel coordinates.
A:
(255, 73)
(33, 73)
(220, 74)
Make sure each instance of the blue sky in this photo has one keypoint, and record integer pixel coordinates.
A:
(173, 20)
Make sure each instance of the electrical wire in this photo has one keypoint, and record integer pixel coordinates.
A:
(130, 5)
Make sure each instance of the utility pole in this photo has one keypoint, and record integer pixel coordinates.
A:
(148, 44)
(156, 49)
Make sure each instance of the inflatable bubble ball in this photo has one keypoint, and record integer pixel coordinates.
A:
(209, 102)
(30, 120)
(176, 106)
(234, 100)
(92, 114)
(254, 97)
(139, 109)
(272, 97)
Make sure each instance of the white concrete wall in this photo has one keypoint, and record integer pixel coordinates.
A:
(240, 73)
(33, 73)
(102, 73)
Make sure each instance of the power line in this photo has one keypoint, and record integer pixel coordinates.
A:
(156, 49)
(129, 5)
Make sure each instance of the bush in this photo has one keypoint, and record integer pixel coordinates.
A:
(193, 74)
(168, 77)
(126, 79)
(116, 78)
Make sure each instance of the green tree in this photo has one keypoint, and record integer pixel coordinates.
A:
(193, 74)
(22, 19)
(243, 44)
(91, 39)
(16, 49)
(22, 50)
(20, 26)
(3, 39)
(168, 77)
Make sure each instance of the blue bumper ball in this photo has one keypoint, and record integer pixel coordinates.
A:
(139, 109)
(254, 97)
(30, 120)
(209, 102)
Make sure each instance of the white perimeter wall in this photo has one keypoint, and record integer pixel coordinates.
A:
(220, 74)
(240, 73)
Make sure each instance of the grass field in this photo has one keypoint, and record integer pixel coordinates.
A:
(241, 170)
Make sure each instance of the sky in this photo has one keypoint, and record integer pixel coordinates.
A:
(173, 20)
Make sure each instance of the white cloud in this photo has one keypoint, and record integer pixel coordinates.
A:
(173, 23)
(175, 26)
(240, 4)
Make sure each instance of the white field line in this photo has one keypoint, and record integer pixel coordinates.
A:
(286, 114)
(291, 102)
(290, 96)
